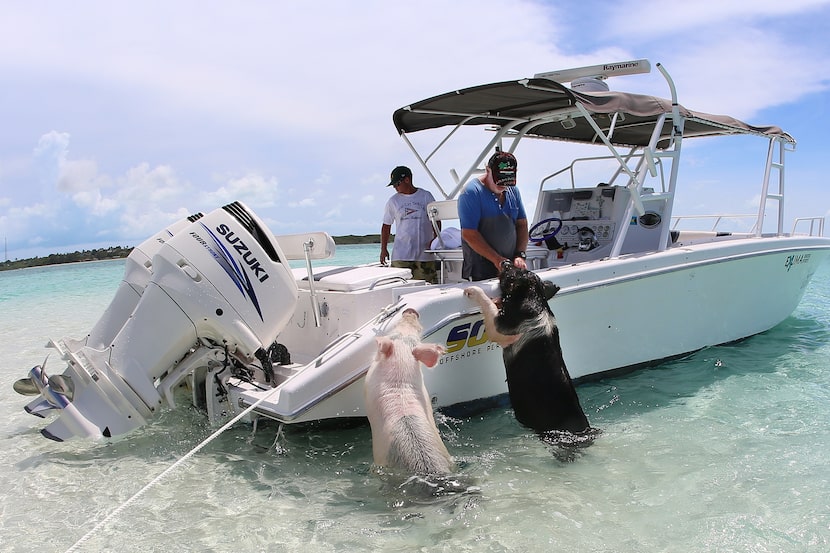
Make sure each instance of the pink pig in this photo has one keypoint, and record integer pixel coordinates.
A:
(404, 434)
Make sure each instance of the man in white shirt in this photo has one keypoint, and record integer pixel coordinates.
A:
(407, 210)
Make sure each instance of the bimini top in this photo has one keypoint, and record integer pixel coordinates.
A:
(545, 108)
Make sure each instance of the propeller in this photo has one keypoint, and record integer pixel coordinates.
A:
(37, 380)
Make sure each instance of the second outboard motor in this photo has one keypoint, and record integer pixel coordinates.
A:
(138, 271)
(222, 281)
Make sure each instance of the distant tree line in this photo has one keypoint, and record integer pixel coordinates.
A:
(356, 239)
(118, 252)
(113, 252)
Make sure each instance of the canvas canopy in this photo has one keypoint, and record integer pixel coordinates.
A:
(539, 106)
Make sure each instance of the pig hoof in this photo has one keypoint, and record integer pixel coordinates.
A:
(472, 291)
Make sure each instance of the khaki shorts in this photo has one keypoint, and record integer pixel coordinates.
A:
(421, 270)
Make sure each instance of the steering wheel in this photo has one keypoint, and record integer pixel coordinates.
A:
(542, 230)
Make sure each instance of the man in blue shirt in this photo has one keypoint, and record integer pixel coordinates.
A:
(493, 220)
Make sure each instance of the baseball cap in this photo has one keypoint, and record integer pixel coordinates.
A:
(398, 174)
(503, 165)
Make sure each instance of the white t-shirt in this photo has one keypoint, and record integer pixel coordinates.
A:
(413, 231)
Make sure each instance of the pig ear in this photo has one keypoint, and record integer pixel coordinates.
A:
(385, 346)
(427, 354)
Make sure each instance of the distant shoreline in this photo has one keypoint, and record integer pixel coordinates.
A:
(119, 252)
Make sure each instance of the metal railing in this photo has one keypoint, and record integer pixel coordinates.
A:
(717, 219)
(814, 222)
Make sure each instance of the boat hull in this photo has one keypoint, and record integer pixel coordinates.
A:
(613, 315)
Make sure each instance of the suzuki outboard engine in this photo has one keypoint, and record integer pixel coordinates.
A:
(138, 271)
(220, 285)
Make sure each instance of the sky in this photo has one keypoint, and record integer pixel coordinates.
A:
(119, 118)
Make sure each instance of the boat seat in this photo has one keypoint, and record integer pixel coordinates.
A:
(349, 279)
(446, 251)
(318, 245)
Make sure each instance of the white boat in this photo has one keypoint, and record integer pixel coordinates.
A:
(209, 309)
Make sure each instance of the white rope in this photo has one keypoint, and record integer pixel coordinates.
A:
(167, 471)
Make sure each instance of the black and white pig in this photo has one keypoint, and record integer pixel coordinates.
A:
(541, 392)
(404, 435)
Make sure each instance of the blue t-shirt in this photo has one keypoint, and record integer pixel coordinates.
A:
(479, 209)
(476, 202)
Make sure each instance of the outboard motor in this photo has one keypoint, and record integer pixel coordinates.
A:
(138, 271)
(220, 283)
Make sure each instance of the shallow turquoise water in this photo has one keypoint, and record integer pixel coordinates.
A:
(726, 450)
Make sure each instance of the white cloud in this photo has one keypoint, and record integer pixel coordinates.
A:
(273, 65)
(50, 154)
(289, 105)
(79, 176)
(305, 202)
(251, 188)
